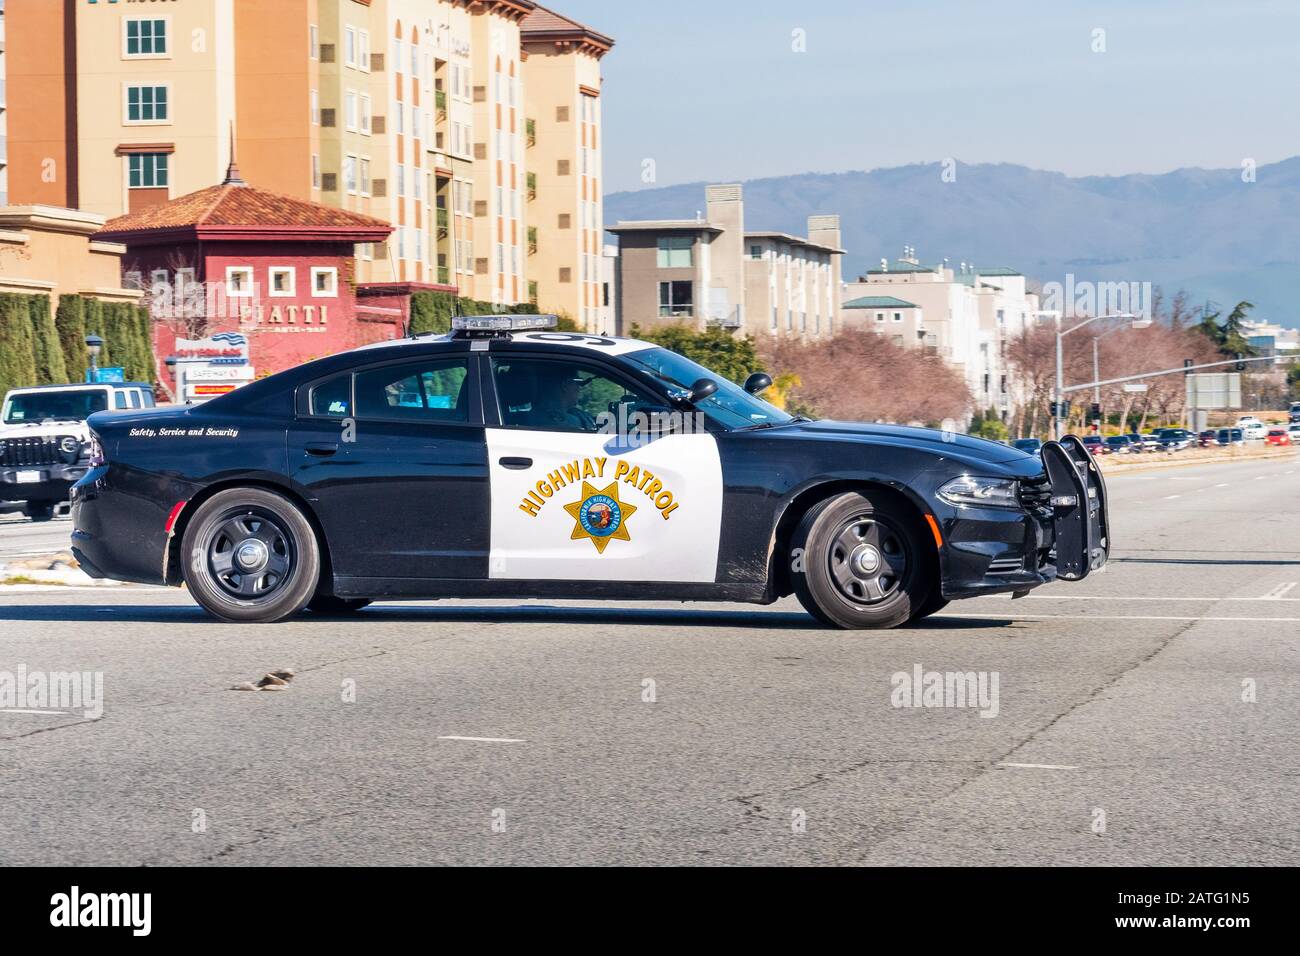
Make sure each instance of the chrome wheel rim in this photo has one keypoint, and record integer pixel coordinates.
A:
(250, 556)
(868, 560)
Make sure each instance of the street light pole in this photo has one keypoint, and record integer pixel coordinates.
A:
(1137, 323)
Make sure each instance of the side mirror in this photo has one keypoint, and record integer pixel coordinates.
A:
(702, 389)
(757, 382)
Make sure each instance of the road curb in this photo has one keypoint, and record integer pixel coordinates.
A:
(1174, 461)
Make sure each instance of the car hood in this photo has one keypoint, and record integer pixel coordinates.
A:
(943, 443)
(39, 429)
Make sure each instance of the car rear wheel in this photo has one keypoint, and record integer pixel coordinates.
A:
(39, 510)
(861, 562)
(250, 556)
(331, 605)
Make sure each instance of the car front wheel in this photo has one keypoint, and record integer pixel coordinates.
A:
(861, 562)
(250, 556)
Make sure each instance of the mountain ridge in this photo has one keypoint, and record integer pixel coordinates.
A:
(1203, 231)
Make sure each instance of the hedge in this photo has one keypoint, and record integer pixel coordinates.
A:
(41, 348)
(432, 311)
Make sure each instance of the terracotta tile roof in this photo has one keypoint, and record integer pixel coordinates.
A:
(546, 21)
(230, 205)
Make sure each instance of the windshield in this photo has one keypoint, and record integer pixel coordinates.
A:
(730, 406)
(58, 406)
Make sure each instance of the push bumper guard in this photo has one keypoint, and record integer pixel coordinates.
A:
(1079, 507)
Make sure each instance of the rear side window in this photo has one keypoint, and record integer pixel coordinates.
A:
(146, 398)
(431, 390)
(333, 398)
(119, 400)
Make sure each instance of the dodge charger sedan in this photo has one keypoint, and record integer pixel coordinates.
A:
(508, 460)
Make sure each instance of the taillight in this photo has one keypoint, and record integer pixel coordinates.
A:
(96, 452)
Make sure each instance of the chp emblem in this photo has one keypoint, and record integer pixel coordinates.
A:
(599, 516)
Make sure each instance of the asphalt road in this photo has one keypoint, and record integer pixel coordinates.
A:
(497, 733)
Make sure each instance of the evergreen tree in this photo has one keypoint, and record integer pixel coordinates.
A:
(70, 320)
(17, 346)
(48, 355)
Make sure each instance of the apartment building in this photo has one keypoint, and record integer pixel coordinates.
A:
(412, 111)
(4, 119)
(709, 271)
(563, 137)
(966, 315)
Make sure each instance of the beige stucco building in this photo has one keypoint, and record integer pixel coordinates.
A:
(413, 111)
(48, 250)
(711, 272)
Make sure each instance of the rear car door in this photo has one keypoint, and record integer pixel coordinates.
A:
(573, 499)
(394, 461)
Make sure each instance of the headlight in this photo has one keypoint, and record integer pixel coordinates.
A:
(985, 492)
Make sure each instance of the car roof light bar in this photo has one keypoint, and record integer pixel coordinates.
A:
(471, 325)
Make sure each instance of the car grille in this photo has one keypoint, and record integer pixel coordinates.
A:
(1036, 494)
(1007, 564)
(32, 450)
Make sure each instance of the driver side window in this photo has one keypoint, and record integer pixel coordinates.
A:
(559, 395)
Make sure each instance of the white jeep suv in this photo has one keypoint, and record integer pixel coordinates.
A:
(44, 441)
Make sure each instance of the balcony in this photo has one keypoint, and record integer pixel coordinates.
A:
(532, 292)
(532, 240)
(444, 275)
(444, 218)
(530, 132)
(530, 181)
(440, 101)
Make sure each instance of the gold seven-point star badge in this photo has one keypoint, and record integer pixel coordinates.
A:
(599, 516)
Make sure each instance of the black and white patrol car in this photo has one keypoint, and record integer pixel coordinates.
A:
(509, 460)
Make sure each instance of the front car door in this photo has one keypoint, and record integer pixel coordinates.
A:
(573, 498)
(394, 461)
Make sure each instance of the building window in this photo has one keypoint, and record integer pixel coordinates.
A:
(147, 170)
(880, 316)
(898, 316)
(675, 252)
(676, 298)
(350, 47)
(239, 281)
(350, 174)
(324, 281)
(755, 252)
(282, 281)
(365, 114)
(146, 37)
(313, 41)
(315, 170)
(315, 107)
(350, 111)
(146, 104)
(363, 51)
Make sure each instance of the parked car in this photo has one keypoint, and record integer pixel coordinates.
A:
(1174, 439)
(1122, 445)
(1143, 442)
(1254, 431)
(1095, 444)
(1031, 446)
(1208, 438)
(44, 441)
(1277, 436)
(1294, 414)
(1245, 420)
(1230, 436)
(1293, 432)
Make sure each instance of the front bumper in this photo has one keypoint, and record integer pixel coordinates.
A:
(52, 482)
(1063, 531)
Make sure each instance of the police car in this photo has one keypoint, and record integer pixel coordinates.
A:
(506, 459)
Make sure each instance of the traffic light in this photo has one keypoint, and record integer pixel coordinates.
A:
(1060, 409)
(1187, 366)
(1240, 366)
(1096, 411)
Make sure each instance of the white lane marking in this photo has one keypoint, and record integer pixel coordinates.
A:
(1167, 497)
(487, 740)
(1279, 593)
(1122, 617)
(1039, 766)
(48, 713)
(1262, 477)
(1223, 485)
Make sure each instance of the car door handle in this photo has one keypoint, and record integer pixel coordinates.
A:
(322, 449)
(516, 463)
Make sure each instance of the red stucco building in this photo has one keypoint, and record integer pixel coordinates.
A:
(243, 283)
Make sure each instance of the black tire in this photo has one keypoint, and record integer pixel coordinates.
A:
(39, 510)
(865, 563)
(260, 530)
(335, 606)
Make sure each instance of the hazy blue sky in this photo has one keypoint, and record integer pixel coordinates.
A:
(711, 89)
